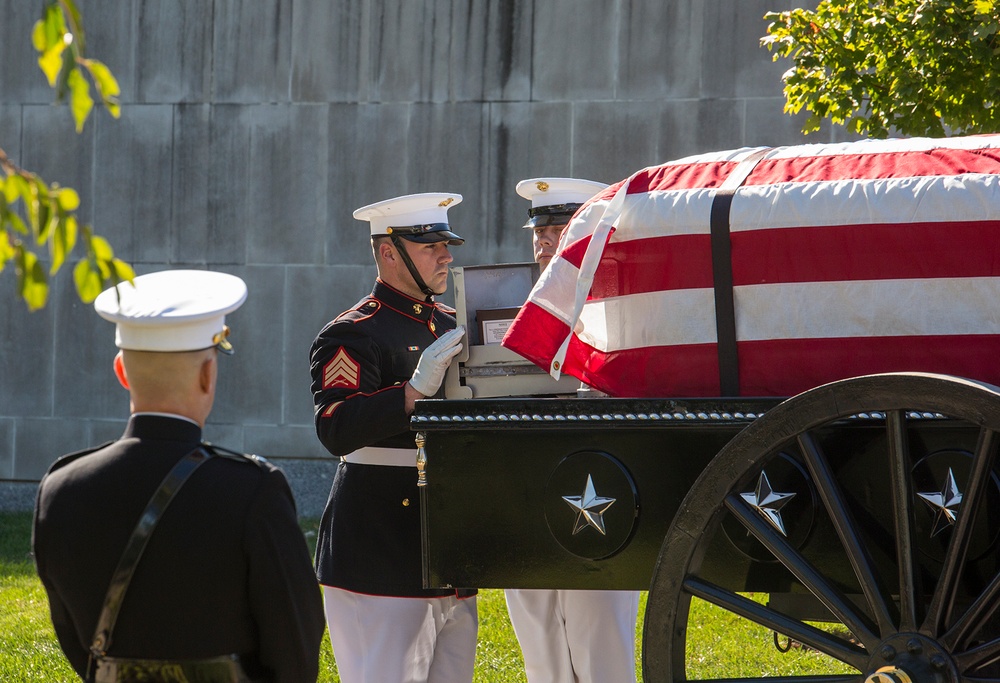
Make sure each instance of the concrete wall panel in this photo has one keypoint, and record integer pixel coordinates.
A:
(51, 148)
(133, 159)
(27, 363)
(173, 63)
(286, 184)
(574, 53)
(21, 80)
(527, 140)
(251, 379)
(327, 50)
(113, 38)
(409, 52)
(656, 44)
(10, 131)
(38, 442)
(84, 383)
(6, 448)
(491, 50)
(252, 51)
(193, 243)
(368, 149)
(744, 68)
(228, 186)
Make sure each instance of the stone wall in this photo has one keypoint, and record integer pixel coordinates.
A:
(251, 130)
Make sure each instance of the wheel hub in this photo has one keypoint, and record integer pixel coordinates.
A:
(911, 658)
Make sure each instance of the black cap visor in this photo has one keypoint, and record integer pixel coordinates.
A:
(427, 234)
(555, 214)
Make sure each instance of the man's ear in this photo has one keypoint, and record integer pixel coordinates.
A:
(207, 375)
(120, 370)
(386, 251)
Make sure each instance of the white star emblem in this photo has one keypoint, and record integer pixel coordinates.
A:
(768, 502)
(590, 508)
(945, 504)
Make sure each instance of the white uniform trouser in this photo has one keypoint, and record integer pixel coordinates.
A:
(380, 639)
(575, 636)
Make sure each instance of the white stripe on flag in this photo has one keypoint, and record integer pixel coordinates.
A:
(926, 199)
(866, 308)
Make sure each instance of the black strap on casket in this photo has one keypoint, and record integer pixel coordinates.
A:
(722, 274)
(120, 580)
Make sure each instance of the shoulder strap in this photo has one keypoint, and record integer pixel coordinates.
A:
(137, 543)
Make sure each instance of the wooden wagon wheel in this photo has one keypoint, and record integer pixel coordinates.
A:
(912, 617)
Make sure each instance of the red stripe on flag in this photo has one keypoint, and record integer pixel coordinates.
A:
(867, 252)
(535, 334)
(808, 254)
(820, 168)
(782, 367)
(941, 161)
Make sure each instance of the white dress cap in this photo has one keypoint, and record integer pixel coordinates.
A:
(555, 200)
(417, 217)
(172, 310)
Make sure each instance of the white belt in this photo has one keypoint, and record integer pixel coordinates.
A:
(373, 455)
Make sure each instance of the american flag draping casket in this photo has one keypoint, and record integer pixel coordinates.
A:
(765, 272)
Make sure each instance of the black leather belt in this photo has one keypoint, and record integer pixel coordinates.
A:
(226, 669)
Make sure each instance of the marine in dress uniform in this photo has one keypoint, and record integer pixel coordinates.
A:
(368, 367)
(226, 572)
(569, 636)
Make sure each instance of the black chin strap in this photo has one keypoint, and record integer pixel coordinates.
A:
(398, 242)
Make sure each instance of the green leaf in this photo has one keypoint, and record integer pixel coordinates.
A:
(68, 199)
(100, 248)
(17, 223)
(63, 241)
(87, 279)
(31, 281)
(6, 249)
(38, 36)
(122, 271)
(80, 100)
(51, 63)
(106, 83)
(15, 188)
(984, 6)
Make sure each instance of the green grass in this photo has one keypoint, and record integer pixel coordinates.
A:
(720, 644)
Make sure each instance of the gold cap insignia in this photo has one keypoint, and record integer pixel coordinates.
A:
(542, 185)
(221, 340)
(446, 202)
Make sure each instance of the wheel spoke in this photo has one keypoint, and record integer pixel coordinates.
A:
(843, 521)
(974, 618)
(900, 477)
(979, 477)
(815, 638)
(842, 608)
(977, 656)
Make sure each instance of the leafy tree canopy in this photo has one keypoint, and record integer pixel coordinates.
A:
(916, 67)
(35, 215)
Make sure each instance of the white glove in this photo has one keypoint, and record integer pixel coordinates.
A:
(434, 362)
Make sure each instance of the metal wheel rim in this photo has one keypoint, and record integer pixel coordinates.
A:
(672, 588)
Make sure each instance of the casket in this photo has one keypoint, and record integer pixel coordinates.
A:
(765, 272)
